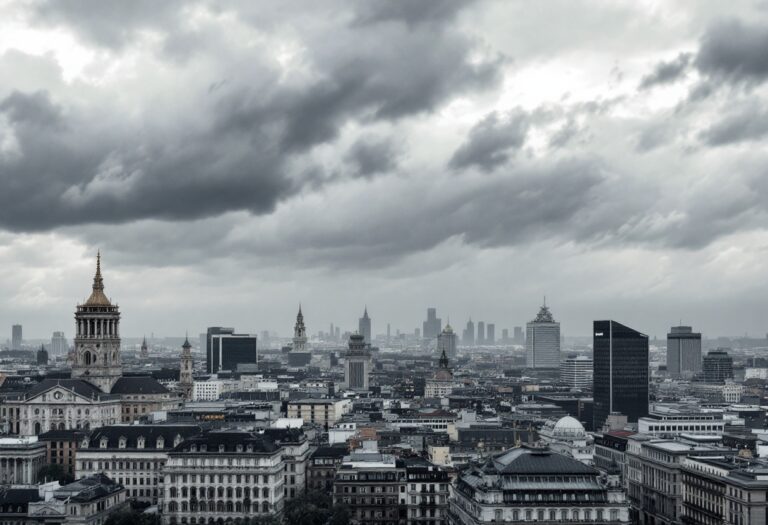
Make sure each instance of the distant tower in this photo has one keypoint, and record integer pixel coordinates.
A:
(490, 334)
(16, 338)
(144, 349)
(468, 337)
(97, 339)
(542, 346)
(299, 333)
(446, 342)
(432, 326)
(683, 352)
(42, 356)
(59, 344)
(358, 365)
(364, 326)
(480, 339)
(185, 369)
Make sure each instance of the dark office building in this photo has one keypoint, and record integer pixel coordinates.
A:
(718, 366)
(225, 349)
(620, 382)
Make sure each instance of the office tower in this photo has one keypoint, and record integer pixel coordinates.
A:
(337, 334)
(59, 344)
(389, 333)
(226, 349)
(186, 367)
(620, 372)
(519, 337)
(468, 337)
(358, 364)
(331, 333)
(264, 338)
(683, 352)
(718, 366)
(576, 372)
(505, 336)
(364, 326)
(446, 342)
(417, 333)
(490, 334)
(433, 325)
(16, 338)
(480, 338)
(542, 345)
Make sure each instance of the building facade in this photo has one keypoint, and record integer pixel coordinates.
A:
(717, 366)
(357, 368)
(441, 383)
(446, 342)
(620, 373)
(542, 345)
(21, 459)
(186, 370)
(576, 372)
(683, 352)
(364, 327)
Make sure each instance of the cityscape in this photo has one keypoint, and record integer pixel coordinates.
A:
(388, 262)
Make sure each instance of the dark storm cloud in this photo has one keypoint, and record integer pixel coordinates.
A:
(245, 145)
(492, 141)
(734, 51)
(371, 156)
(749, 122)
(408, 12)
(667, 72)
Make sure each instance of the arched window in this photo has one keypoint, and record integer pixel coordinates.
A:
(247, 492)
(220, 492)
(230, 507)
(202, 506)
(183, 492)
(265, 507)
(211, 493)
(172, 506)
(37, 428)
(229, 492)
(265, 492)
(87, 358)
(219, 506)
(239, 492)
(184, 506)
(174, 492)
(238, 507)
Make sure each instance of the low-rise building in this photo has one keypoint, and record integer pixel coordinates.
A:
(322, 467)
(324, 412)
(21, 459)
(373, 486)
(61, 447)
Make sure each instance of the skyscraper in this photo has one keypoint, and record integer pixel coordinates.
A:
(542, 345)
(519, 337)
(226, 349)
(620, 382)
(718, 366)
(490, 335)
(480, 338)
(468, 337)
(683, 352)
(358, 364)
(446, 342)
(364, 326)
(432, 326)
(16, 338)
(505, 335)
(59, 344)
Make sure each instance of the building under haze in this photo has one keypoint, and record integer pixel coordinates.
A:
(683, 352)
(490, 334)
(225, 349)
(432, 326)
(358, 364)
(542, 345)
(620, 382)
(718, 366)
(16, 338)
(519, 337)
(480, 337)
(468, 336)
(446, 342)
(364, 326)
(59, 344)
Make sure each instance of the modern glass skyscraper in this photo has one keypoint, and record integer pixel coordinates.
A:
(620, 356)
(683, 352)
(542, 345)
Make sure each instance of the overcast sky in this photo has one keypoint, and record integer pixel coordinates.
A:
(231, 160)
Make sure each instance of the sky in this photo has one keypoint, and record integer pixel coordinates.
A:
(232, 160)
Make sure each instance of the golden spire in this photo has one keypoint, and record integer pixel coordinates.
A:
(97, 297)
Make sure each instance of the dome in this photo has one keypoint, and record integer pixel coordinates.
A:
(568, 427)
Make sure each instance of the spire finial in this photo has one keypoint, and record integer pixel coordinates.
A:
(98, 282)
(545, 301)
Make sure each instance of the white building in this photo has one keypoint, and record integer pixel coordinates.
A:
(542, 345)
(212, 389)
(567, 436)
(21, 459)
(441, 384)
(576, 372)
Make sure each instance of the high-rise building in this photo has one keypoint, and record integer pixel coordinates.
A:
(620, 372)
(433, 325)
(718, 366)
(97, 342)
(358, 365)
(480, 338)
(42, 356)
(226, 349)
(542, 345)
(468, 337)
(683, 352)
(446, 342)
(576, 372)
(505, 335)
(490, 334)
(16, 338)
(519, 337)
(364, 326)
(186, 367)
(59, 344)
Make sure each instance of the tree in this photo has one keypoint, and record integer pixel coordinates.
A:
(131, 517)
(54, 472)
(315, 508)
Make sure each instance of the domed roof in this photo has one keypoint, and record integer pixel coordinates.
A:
(568, 426)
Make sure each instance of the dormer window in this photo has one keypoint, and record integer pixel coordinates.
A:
(249, 448)
(221, 448)
(160, 442)
(104, 442)
(177, 440)
(85, 443)
(203, 448)
(239, 448)
(123, 442)
(193, 448)
(140, 442)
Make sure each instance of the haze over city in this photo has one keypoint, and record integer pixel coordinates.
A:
(233, 161)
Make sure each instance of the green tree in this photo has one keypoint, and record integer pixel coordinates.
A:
(54, 472)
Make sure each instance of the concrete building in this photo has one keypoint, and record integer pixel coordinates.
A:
(542, 345)
(370, 484)
(322, 467)
(490, 334)
(468, 336)
(567, 436)
(446, 342)
(717, 366)
(683, 352)
(576, 372)
(480, 338)
(357, 368)
(16, 337)
(61, 447)
(59, 344)
(325, 412)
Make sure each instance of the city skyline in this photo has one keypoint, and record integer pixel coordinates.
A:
(609, 161)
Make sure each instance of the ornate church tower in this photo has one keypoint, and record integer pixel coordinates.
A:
(144, 349)
(185, 370)
(299, 333)
(97, 343)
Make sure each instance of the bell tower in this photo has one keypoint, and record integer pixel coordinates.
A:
(186, 382)
(97, 341)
